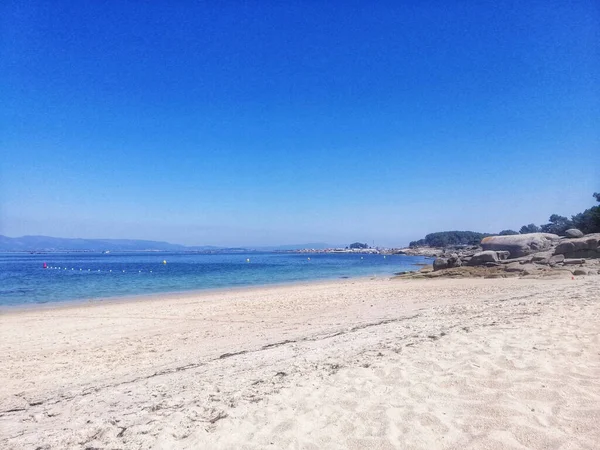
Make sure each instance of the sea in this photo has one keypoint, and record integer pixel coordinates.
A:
(86, 276)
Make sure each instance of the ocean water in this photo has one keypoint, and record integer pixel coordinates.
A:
(81, 276)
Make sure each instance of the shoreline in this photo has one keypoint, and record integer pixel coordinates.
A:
(182, 295)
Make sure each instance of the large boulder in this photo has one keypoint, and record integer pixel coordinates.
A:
(516, 267)
(440, 264)
(573, 233)
(520, 244)
(556, 259)
(584, 247)
(447, 263)
(542, 257)
(581, 272)
(484, 257)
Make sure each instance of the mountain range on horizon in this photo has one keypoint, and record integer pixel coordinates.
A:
(48, 243)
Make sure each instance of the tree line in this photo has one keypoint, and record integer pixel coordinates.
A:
(587, 221)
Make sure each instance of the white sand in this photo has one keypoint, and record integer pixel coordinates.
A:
(504, 363)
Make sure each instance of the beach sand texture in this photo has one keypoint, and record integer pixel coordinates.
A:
(358, 364)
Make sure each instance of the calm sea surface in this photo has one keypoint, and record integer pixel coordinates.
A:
(78, 276)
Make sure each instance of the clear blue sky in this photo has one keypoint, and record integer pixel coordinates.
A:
(249, 123)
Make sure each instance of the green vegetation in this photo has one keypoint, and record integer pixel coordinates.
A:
(558, 225)
(358, 245)
(447, 238)
(531, 228)
(587, 221)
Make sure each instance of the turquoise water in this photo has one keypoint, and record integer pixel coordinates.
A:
(77, 276)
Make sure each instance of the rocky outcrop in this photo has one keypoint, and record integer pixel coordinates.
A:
(573, 233)
(482, 258)
(520, 244)
(447, 263)
(440, 264)
(528, 255)
(583, 247)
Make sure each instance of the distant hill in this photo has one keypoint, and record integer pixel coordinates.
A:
(54, 244)
(47, 243)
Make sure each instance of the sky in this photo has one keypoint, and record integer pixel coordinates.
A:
(263, 123)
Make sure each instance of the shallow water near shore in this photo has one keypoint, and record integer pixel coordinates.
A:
(76, 276)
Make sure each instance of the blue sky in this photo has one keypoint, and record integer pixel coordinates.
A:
(257, 123)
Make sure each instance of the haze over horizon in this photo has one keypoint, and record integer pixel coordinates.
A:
(272, 124)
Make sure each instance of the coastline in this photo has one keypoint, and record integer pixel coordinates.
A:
(257, 366)
(180, 295)
(43, 288)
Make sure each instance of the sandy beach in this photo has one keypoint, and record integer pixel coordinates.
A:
(359, 364)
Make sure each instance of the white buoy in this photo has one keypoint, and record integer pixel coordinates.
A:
(247, 259)
(110, 270)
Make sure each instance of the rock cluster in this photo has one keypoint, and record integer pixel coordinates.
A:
(529, 254)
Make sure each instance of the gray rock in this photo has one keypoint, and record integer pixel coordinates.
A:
(520, 244)
(521, 260)
(503, 255)
(573, 233)
(530, 269)
(484, 257)
(454, 261)
(515, 267)
(440, 264)
(574, 261)
(584, 247)
(556, 259)
(580, 272)
(542, 257)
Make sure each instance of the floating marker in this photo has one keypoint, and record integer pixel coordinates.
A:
(150, 271)
(123, 271)
(164, 261)
(309, 259)
(88, 270)
(247, 259)
(139, 271)
(110, 270)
